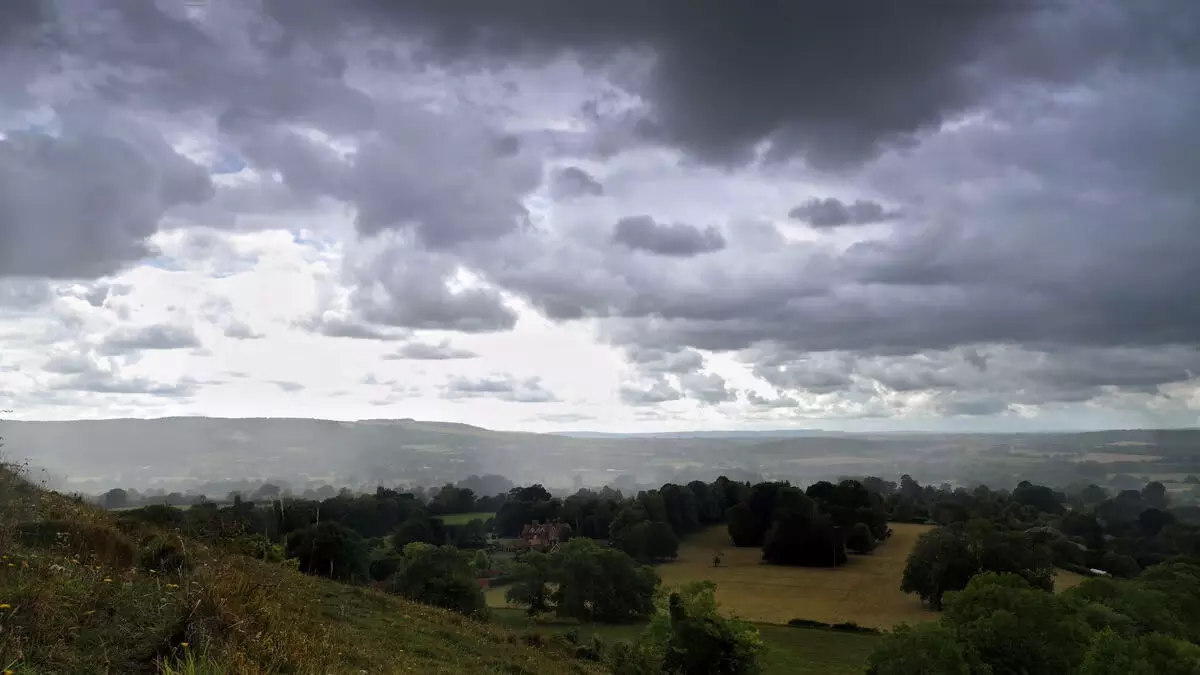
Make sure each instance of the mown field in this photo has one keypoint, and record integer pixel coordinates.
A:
(790, 651)
(464, 518)
(865, 591)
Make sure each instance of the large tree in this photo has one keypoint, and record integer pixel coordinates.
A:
(440, 576)
(945, 559)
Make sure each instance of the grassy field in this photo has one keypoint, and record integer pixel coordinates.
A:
(866, 590)
(464, 518)
(799, 651)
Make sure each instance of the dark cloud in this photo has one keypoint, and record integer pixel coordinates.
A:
(425, 351)
(402, 287)
(157, 336)
(831, 212)
(572, 181)
(707, 387)
(332, 324)
(501, 387)
(657, 390)
(729, 75)
(69, 363)
(239, 330)
(288, 387)
(82, 371)
(663, 361)
(83, 203)
(24, 294)
(641, 233)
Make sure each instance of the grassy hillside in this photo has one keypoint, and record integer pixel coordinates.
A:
(74, 599)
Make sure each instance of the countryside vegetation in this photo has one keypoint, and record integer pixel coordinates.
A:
(858, 575)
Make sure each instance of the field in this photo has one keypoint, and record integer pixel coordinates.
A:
(798, 651)
(464, 518)
(866, 590)
(1114, 457)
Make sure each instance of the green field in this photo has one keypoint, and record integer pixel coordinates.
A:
(464, 518)
(802, 651)
(866, 590)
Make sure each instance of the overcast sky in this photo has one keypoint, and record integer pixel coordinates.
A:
(620, 215)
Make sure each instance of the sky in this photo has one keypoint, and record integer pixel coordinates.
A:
(618, 216)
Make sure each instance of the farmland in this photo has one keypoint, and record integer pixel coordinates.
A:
(464, 518)
(794, 651)
(866, 590)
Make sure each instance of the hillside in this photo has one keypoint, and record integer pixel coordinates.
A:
(76, 602)
(204, 454)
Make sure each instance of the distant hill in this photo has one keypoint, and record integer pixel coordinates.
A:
(190, 453)
(727, 433)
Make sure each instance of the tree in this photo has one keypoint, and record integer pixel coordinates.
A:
(531, 583)
(1155, 494)
(116, 498)
(925, 649)
(481, 561)
(860, 540)
(1113, 654)
(594, 583)
(797, 539)
(439, 576)
(330, 549)
(415, 529)
(945, 559)
(743, 529)
(1015, 628)
(695, 640)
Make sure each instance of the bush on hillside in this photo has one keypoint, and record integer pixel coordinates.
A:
(330, 549)
(92, 542)
(164, 554)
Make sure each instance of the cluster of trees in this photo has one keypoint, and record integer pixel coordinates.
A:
(647, 526)
(812, 527)
(945, 559)
(1084, 528)
(999, 623)
(584, 580)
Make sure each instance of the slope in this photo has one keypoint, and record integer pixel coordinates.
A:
(74, 599)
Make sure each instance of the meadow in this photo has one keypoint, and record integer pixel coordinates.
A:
(789, 650)
(865, 591)
(464, 518)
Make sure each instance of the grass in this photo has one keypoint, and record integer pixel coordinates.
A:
(464, 518)
(798, 651)
(65, 609)
(866, 590)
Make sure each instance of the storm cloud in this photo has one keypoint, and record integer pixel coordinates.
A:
(1037, 161)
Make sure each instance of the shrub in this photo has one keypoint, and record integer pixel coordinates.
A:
(382, 569)
(851, 627)
(92, 541)
(165, 554)
(807, 623)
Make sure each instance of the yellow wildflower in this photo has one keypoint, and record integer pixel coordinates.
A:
(5, 605)
(107, 580)
(183, 644)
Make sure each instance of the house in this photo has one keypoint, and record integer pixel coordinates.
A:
(545, 536)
